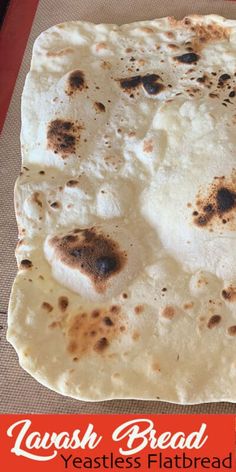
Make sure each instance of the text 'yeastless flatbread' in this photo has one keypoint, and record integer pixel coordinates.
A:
(125, 205)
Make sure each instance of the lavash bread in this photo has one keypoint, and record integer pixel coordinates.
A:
(125, 205)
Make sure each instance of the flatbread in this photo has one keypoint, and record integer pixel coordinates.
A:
(125, 205)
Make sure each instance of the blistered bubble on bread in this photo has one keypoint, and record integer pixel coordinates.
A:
(196, 207)
(96, 262)
(113, 199)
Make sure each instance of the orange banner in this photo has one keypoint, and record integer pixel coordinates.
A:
(117, 442)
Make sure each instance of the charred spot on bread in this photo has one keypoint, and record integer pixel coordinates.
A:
(99, 107)
(105, 264)
(63, 303)
(62, 136)
(213, 321)
(226, 199)
(223, 79)
(151, 84)
(26, 264)
(101, 344)
(91, 251)
(131, 82)
(188, 58)
(229, 293)
(219, 204)
(76, 82)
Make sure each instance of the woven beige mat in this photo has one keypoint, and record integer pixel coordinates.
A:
(19, 393)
